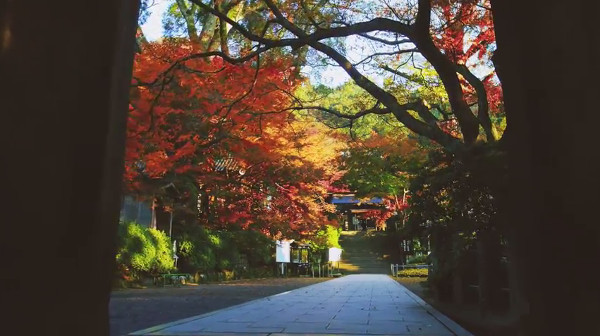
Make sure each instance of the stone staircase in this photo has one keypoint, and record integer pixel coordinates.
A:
(364, 252)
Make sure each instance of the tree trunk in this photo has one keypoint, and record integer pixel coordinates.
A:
(550, 89)
(153, 218)
(66, 72)
(207, 35)
(189, 19)
(482, 283)
(457, 288)
(488, 267)
(518, 301)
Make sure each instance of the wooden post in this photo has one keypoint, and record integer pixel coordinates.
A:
(153, 218)
(171, 224)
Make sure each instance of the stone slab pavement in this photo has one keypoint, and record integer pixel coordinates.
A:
(359, 304)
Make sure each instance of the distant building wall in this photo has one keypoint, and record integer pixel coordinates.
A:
(133, 210)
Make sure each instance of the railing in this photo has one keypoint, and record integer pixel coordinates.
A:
(175, 279)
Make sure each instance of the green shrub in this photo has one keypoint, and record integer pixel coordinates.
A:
(260, 272)
(208, 251)
(257, 248)
(163, 250)
(414, 272)
(196, 250)
(320, 243)
(416, 260)
(228, 275)
(142, 251)
(325, 238)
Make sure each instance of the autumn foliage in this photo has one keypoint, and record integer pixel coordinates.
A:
(180, 110)
(467, 34)
(218, 132)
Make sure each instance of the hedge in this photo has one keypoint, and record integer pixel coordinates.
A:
(210, 251)
(415, 260)
(414, 272)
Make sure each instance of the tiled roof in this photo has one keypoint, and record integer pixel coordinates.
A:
(226, 164)
(352, 200)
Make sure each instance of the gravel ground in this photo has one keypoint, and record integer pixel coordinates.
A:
(135, 309)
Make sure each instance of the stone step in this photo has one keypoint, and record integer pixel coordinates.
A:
(366, 261)
(365, 265)
(363, 253)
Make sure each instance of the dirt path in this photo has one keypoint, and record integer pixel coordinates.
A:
(135, 309)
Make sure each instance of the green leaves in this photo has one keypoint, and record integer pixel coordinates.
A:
(143, 250)
(458, 193)
(381, 165)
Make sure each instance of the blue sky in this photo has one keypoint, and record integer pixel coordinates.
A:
(331, 76)
(153, 27)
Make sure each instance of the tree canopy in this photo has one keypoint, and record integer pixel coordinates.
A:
(215, 131)
(421, 45)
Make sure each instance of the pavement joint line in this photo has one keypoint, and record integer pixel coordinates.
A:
(197, 317)
(445, 322)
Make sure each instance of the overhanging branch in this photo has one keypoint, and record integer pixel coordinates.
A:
(482, 101)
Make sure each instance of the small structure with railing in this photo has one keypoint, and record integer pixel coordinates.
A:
(396, 268)
(300, 258)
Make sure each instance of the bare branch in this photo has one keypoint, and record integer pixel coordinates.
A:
(339, 114)
(444, 113)
(190, 70)
(417, 33)
(165, 80)
(446, 71)
(482, 101)
(308, 16)
(393, 10)
(384, 41)
(428, 129)
(247, 93)
(178, 63)
(377, 24)
(400, 112)
(411, 78)
(391, 53)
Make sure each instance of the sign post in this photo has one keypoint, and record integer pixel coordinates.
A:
(175, 256)
(282, 253)
(335, 255)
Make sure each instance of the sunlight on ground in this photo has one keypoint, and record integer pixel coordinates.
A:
(349, 267)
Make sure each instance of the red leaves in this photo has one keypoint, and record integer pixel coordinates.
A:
(189, 116)
(467, 29)
(188, 111)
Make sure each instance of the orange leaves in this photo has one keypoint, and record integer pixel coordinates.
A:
(187, 109)
(390, 144)
(222, 125)
(157, 163)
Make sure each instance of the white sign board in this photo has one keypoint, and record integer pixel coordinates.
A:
(282, 251)
(335, 254)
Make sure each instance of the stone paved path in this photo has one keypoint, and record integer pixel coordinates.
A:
(361, 304)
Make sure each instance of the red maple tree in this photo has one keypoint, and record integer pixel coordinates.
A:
(221, 127)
